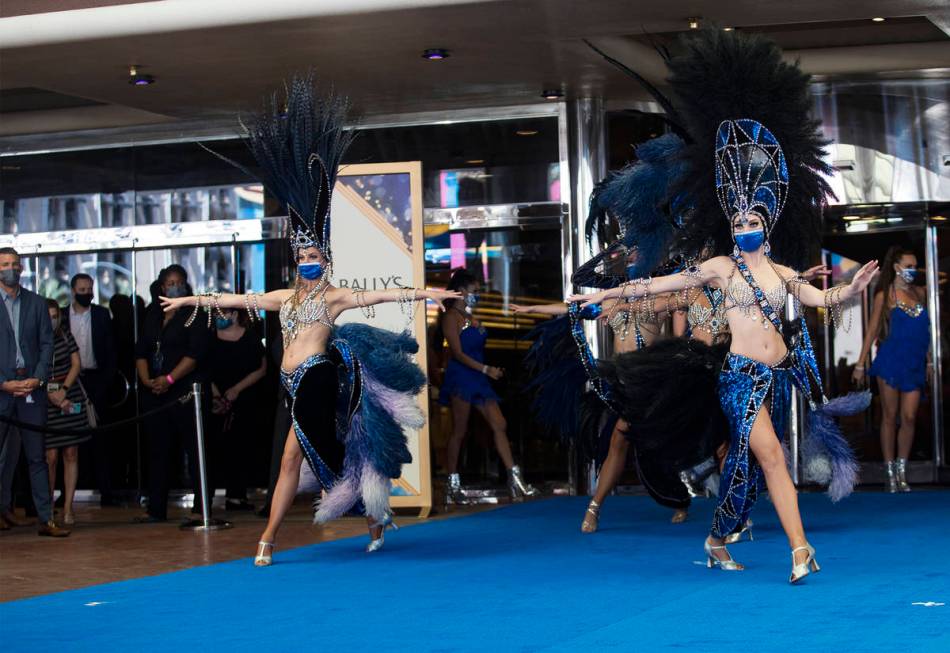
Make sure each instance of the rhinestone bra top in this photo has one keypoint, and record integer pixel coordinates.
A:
(711, 319)
(740, 294)
(312, 310)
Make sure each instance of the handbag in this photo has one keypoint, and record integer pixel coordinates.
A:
(91, 415)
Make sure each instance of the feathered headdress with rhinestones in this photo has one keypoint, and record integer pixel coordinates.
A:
(750, 143)
(298, 140)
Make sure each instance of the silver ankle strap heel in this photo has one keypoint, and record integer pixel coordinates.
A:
(900, 467)
(517, 485)
(591, 517)
(385, 522)
(802, 569)
(712, 561)
(453, 490)
(891, 484)
(734, 538)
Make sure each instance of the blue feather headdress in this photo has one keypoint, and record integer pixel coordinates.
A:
(298, 140)
(636, 198)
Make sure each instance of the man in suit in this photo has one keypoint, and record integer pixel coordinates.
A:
(26, 352)
(91, 326)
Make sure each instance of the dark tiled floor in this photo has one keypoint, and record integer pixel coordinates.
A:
(105, 546)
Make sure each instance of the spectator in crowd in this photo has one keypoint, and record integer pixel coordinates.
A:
(236, 363)
(167, 358)
(26, 349)
(91, 328)
(66, 409)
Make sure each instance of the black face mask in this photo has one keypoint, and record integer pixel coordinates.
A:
(84, 299)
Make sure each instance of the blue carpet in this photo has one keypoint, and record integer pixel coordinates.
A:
(523, 578)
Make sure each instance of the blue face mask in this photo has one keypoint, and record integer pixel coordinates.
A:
(908, 274)
(173, 292)
(310, 271)
(750, 241)
(223, 323)
(471, 299)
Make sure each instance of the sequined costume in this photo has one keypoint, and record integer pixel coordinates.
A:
(747, 146)
(901, 360)
(461, 380)
(353, 402)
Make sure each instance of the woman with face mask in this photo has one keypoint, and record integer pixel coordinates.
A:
(66, 409)
(236, 363)
(168, 354)
(352, 387)
(467, 383)
(766, 158)
(901, 327)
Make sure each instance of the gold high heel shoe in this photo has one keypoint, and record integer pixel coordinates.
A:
(264, 559)
(591, 518)
(712, 561)
(679, 517)
(802, 569)
(734, 538)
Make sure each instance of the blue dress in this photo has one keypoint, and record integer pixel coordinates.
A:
(461, 380)
(901, 359)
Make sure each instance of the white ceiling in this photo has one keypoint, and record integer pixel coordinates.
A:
(213, 58)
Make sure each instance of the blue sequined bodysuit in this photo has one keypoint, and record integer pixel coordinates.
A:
(462, 381)
(901, 360)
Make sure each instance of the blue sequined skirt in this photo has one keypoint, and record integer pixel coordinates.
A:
(745, 385)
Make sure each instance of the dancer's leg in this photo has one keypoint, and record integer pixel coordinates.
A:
(614, 463)
(768, 453)
(909, 403)
(460, 412)
(491, 411)
(890, 399)
(286, 488)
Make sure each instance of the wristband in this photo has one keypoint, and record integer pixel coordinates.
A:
(484, 369)
(170, 379)
(859, 367)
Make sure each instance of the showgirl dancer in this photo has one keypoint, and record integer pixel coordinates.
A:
(466, 384)
(353, 388)
(899, 321)
(743, 108)
(619, 316)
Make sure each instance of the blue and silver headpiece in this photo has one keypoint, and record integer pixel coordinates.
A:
(751, 172)
(298, 140)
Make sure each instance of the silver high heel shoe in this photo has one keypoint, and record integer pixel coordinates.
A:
(518, 486)
(712, 561)
(264, 557)
(453, 490)
(802, 569)
(385, 522)
(900, 467)
(695, 477)
(734, 538)
(891, 484)
(591, 518)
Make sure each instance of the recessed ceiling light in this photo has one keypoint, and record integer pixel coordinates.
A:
(851, 217)
(527, 132)
(552, 94)
(938, 218)
(878, 19)
(435, 54)
(727, 29)
(694, 22)
(139, 79)
(475, 162)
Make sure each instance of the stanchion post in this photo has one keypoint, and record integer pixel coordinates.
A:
(206, 523)
(202, 463)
